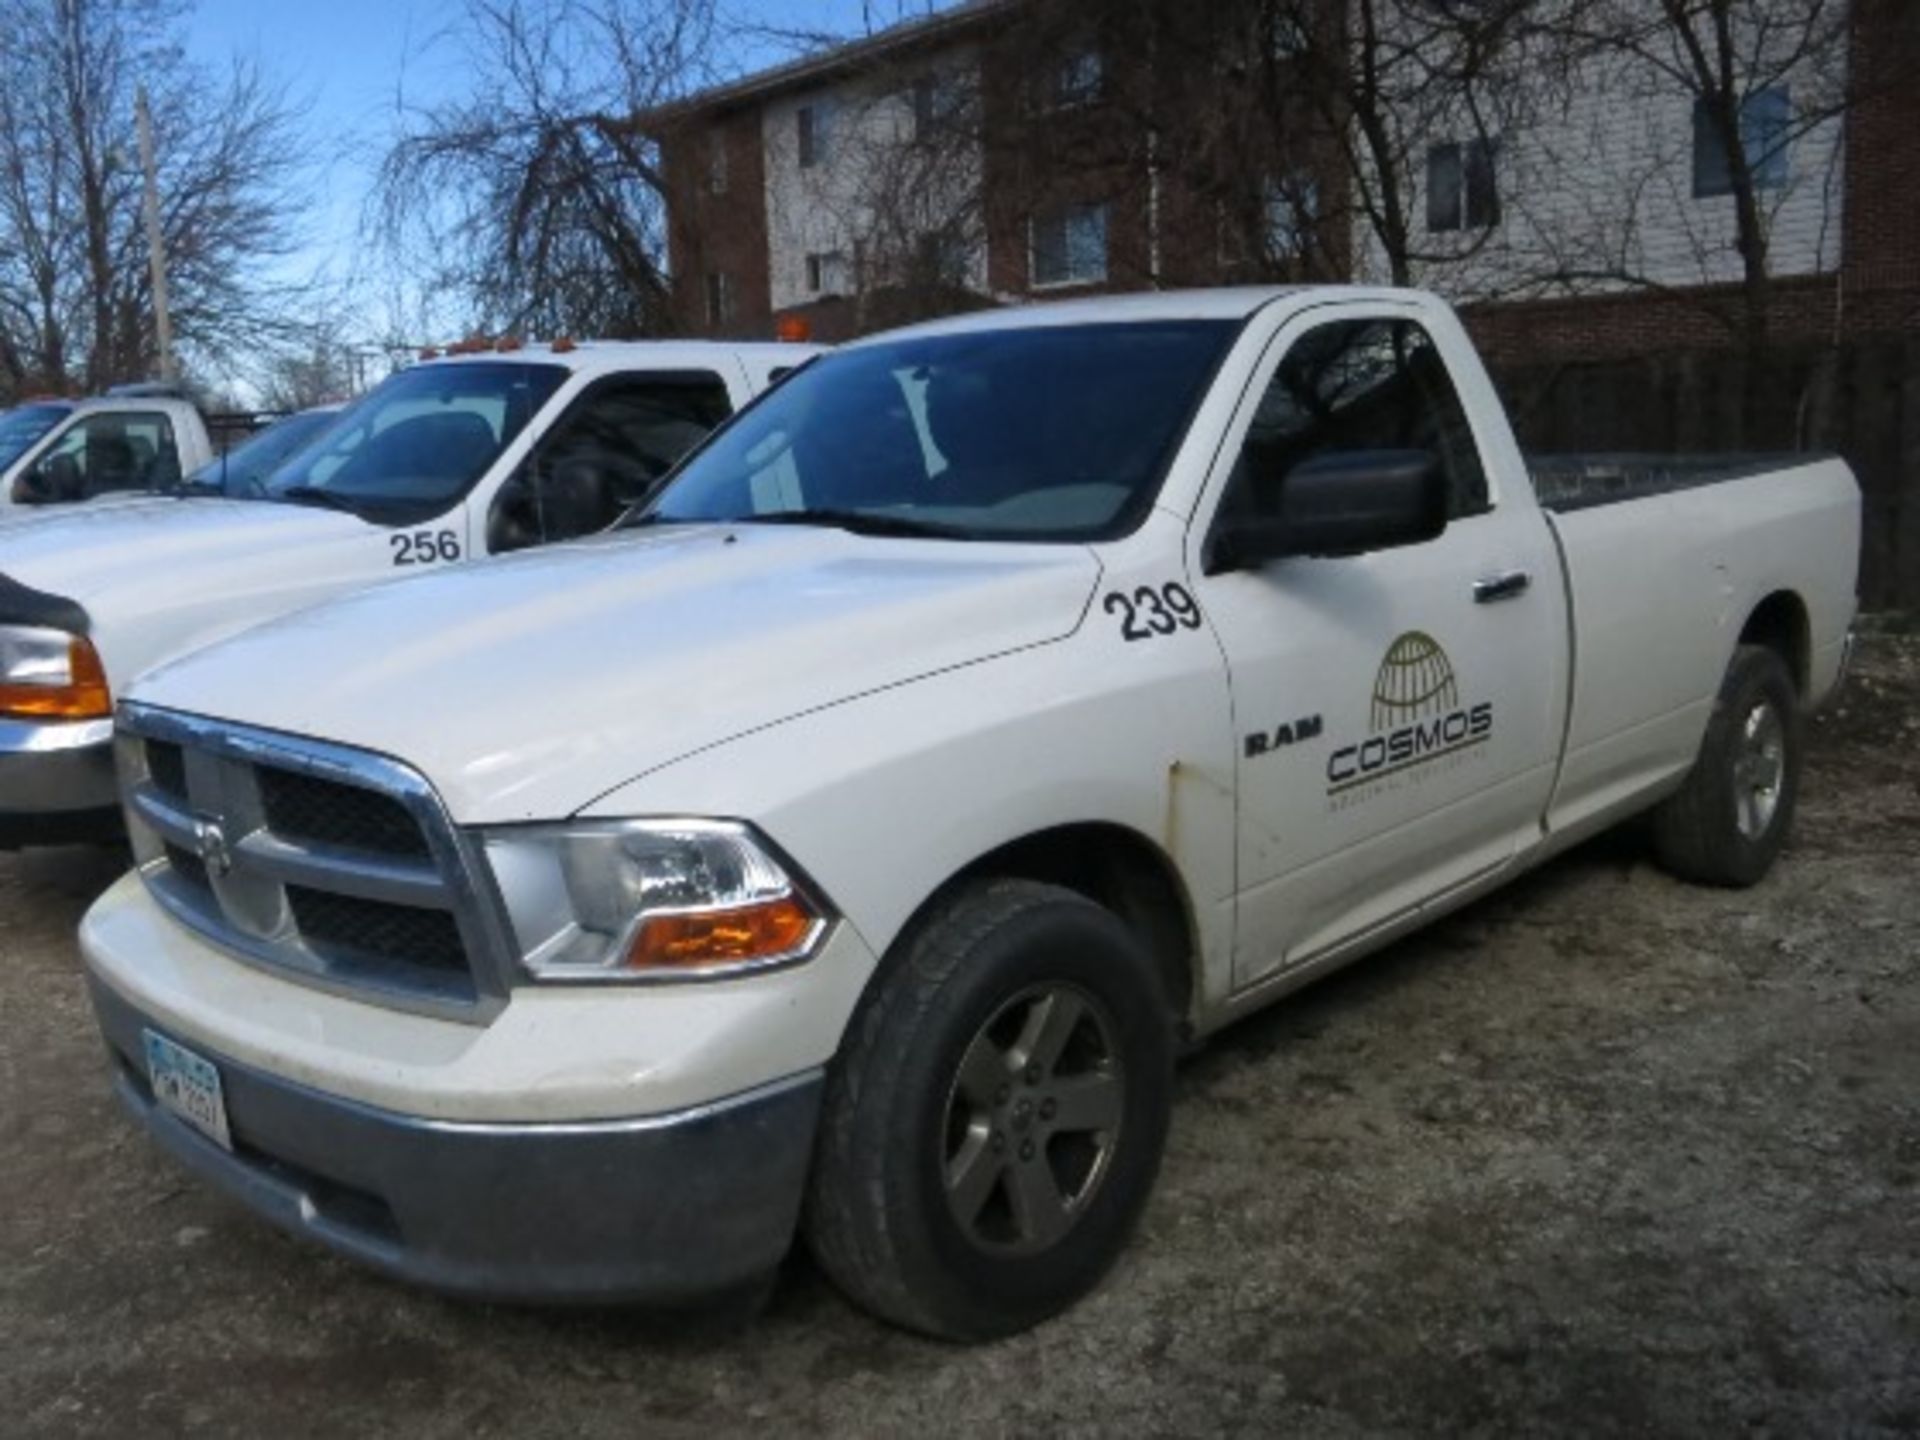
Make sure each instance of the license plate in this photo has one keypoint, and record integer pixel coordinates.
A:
(188, 1087)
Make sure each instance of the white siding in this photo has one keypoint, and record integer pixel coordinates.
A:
(1596, 188)
(872, 190)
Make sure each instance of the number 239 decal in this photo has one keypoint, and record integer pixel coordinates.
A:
(1151, 611)
(424, 547)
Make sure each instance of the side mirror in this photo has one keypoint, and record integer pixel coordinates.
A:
(1347, 503)
(52, 480)
(33, 487)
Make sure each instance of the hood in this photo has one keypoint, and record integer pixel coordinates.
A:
(528, 687)
(150, 571)
(85, 549)
(14, 513)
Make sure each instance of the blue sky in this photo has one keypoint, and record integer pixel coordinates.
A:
(349, 61)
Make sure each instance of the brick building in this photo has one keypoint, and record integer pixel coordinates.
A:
(994, 152)
(1006, 149)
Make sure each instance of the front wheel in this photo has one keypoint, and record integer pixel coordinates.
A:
(995, 1122)
(1727, 824)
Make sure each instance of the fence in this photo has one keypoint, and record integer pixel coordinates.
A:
(1861, 400)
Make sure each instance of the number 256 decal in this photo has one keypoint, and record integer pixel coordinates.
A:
(424, 547)
(1148, 611)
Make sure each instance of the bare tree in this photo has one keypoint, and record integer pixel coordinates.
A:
(1411, 94)
(889, 219)
(1745, 87)
(1299, 132)
(1305, 127)
(328, 369)
(532, 199)
(75, 301)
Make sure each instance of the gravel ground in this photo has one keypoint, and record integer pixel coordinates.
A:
(1604, 1153)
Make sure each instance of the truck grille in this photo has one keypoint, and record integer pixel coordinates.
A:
(301, 807)
(333, 866)
(378, 931)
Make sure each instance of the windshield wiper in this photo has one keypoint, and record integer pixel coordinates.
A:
(858, 522)
(635, 517)
(314, 495)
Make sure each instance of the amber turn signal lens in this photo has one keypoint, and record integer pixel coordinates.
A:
(83, 697)
(767, 931)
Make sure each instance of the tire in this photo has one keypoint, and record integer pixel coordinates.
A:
(985, 983)
(1728, 822)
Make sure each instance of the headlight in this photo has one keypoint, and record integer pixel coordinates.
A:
(51, 675)
(649, 898)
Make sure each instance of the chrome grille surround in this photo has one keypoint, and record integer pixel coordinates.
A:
(212, 859)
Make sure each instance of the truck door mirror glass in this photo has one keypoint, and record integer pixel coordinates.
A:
(1346, 503)
(54, 479)
(32, 487)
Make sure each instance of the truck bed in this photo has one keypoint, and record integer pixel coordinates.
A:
(1567, 482)
(1642, 578)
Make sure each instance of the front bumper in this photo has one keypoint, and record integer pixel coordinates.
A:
(57, 782)
(661, 1209)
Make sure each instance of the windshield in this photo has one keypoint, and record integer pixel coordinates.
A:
(242, 469)
(20, 428)
(1042, 434)
(421, 440)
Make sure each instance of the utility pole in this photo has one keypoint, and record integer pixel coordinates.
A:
(156, 246)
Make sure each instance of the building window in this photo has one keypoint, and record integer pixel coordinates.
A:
(826, 271)
(812, 125)
(716, 162)
(1080, 78)
(942, 258)
(938, 101)
(926, 106)
(1288, 209)
(1070, 246)
(1766, 117)
(1463, 191)
(719, 299)
(1287, 37)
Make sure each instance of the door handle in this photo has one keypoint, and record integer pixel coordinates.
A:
(1501, 587)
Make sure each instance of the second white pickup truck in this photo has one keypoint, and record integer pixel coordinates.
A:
(847, 847)
(59, 451)
(475, 455)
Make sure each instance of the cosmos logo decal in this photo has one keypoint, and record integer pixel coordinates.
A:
(1417, 717)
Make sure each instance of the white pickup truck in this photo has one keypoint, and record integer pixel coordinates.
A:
(847, 845)
(55, 451)
(461, 457)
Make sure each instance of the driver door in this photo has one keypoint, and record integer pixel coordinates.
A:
(1397, 715)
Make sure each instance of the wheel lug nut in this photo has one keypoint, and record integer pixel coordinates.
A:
(1026, 1150)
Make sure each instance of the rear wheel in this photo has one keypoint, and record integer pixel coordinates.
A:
(995, 1123)
(1727, 824)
